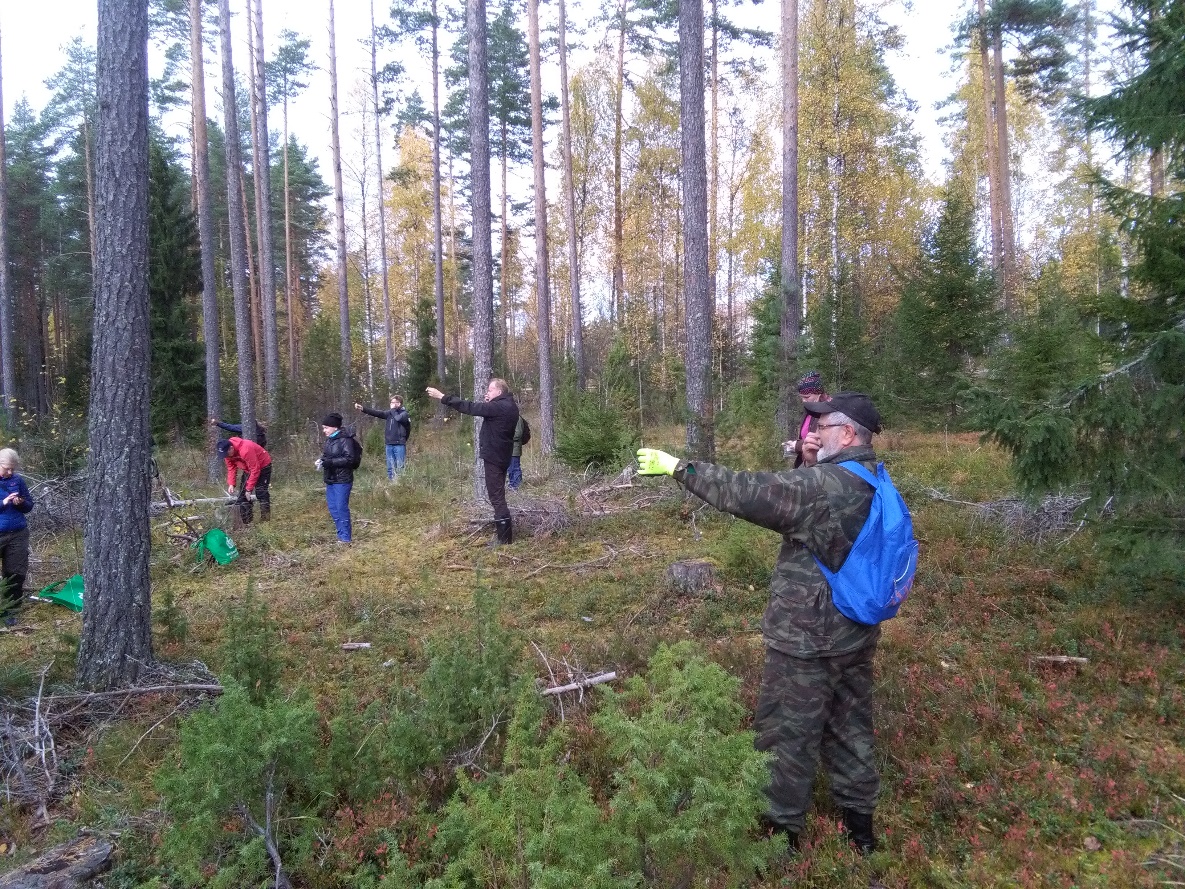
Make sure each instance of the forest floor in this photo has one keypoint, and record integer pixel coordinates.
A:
(1031, 724)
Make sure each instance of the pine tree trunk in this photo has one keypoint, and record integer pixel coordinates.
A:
(116, 641)
(791, 323)
(483, 281)
(263, 224)
(7, 359)
(1004, 159)
(239, 253)
(618, 304)
(570, 207)
(700, 442)
(437, 248)
(252, 282)
(388, 327)
(714, 171)
(343, 294)
(289, 271)
(542, 283)
(990, 153)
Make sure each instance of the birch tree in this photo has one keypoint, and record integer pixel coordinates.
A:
(261, 169)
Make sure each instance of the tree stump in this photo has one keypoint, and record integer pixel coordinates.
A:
(71, 865)
(693, 577)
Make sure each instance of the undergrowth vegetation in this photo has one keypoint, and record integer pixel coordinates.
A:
(431, 760)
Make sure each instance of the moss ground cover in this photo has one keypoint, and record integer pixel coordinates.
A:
(1000, 768)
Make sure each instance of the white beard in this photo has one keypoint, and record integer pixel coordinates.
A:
(826, 452)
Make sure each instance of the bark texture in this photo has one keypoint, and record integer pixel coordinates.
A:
(698, 316)
(483, 259)
(791, 325)
(8, 370)
(542, 279)
(205, 214)
(117, 621)
(339, 203)
(244, 338)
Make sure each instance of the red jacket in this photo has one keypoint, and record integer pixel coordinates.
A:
(250, 458)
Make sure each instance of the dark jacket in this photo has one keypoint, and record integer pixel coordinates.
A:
(12, 518)
(819, 511)
(398, 428)
(260, 437)
(341, 455)
(496, 440)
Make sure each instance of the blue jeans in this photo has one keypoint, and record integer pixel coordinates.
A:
(514, 474)
(396, 457)
(337, 498)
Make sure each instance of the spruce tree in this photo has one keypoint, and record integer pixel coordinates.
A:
(946, 316)
(177, 395)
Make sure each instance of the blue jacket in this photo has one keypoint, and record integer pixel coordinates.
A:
(12, 518)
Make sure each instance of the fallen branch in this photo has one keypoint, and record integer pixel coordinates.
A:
(1060, 659)
(70, 866)
(354, 646)
(146, 689)
(598, 679)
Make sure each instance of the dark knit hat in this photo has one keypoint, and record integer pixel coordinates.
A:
(334, 420)
(223, 447)
(855, 405)
(810, 384)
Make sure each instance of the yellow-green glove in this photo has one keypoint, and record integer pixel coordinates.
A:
(655, 462)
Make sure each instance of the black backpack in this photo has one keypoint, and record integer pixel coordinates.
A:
(524, 437)
(356, 452)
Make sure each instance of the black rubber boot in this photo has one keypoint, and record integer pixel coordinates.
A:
(858, 826)
(12, 597)
(505, 531)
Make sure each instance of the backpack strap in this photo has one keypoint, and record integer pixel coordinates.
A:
(854, 467)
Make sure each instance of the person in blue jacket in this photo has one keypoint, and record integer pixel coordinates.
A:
(15, 502)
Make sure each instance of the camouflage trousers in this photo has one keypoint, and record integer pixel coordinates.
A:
(812, 708)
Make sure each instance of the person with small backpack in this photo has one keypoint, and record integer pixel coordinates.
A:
(341, 455)
(495, 444)
(522, 436)
(846, 562)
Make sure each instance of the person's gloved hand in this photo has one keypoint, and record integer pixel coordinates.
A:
(318, 463)
(655, 462)
(250, 495)
(230, 491)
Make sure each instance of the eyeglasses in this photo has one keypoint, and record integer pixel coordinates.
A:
(830, 426)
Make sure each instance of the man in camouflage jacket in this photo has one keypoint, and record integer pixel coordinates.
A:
(816, 689)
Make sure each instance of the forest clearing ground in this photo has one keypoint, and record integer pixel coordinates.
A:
(999, 769)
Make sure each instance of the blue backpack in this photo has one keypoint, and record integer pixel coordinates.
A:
(876, 576)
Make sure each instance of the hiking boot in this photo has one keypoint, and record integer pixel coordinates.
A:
(858, 827)
(505, 531)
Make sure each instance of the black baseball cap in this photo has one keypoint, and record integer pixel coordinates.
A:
(856, 405)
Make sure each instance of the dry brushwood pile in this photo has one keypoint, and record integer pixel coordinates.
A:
(1050, 518)
(570, 503)
(39, 736)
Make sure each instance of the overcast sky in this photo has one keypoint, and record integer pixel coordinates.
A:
(33, 34)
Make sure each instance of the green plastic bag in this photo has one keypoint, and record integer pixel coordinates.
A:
(216, 543)
(67, 593)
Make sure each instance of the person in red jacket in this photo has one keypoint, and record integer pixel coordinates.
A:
(245, 455)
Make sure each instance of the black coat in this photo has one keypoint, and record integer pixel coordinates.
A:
(496, 440)
(341, 455)
(398, 428)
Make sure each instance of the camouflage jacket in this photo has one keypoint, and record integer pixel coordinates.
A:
(819, 511)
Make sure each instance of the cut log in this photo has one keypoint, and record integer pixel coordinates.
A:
(691, 578)
(71, 865)
(355, 646)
